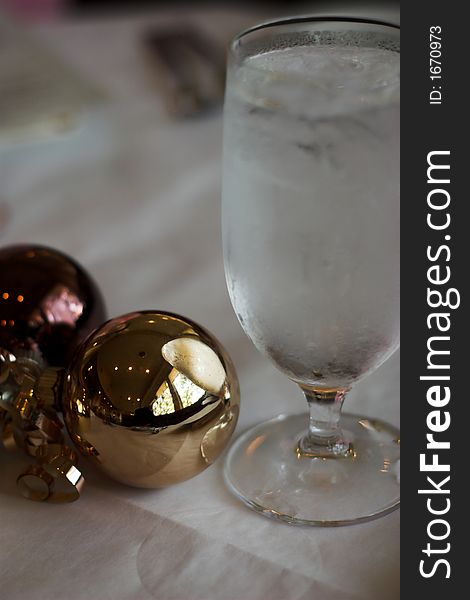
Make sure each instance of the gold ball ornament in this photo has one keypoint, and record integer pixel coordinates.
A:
(152, 398)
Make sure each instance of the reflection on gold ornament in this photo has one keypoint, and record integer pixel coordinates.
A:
(152, 398)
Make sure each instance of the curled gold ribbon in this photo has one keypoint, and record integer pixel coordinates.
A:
(33, 418)
(35, 483)
(29, 421)
(55, 478)
(33, 440)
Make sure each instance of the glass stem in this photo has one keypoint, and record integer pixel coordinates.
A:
(324, 433)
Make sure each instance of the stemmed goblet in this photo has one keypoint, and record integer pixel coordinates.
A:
(311, 250)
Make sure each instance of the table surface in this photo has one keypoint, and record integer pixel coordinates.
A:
(135, 197)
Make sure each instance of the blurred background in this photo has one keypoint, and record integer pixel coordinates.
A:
(178, 50)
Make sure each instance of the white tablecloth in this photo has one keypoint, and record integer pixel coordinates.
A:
(135, 198)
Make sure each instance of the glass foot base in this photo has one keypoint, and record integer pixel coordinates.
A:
(265, 469)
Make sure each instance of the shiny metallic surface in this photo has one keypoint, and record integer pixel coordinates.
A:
(55, 478)
(48, 303)
(48, 389)
(10, 383)
(35, 483)
(60, 461)
(152, 398)
(28, 424)
(18, 373)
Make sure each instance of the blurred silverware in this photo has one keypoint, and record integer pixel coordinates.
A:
(190, 70)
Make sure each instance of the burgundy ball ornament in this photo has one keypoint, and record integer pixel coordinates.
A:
(48, 303)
